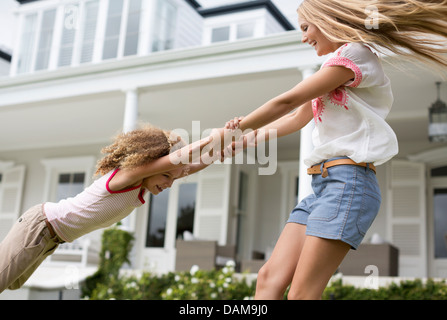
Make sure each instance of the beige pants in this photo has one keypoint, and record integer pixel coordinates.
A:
(25, 247)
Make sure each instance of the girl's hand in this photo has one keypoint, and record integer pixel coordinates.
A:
(233, 124)
(246, 141)
(190, 152)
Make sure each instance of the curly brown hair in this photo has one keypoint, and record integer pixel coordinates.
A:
(137, 147)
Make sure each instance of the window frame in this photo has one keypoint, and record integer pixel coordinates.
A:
(56, 166)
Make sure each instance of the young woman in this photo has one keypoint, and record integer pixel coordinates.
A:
(348, 99)
(146, 159)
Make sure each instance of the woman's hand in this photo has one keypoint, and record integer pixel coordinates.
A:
(233, 124)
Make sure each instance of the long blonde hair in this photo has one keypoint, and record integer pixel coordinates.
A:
(412, 28)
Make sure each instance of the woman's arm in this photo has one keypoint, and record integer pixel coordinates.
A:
(320, 83)
(285, 125)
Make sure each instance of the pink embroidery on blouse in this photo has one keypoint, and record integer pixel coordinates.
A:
(339, 97)
(345, 62)
(317, 109)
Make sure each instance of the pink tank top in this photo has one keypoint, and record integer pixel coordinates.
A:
(94, 208)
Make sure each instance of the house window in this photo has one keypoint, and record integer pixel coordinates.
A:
(233, 31)
(164, 26)
(245, 30)
(68, 35)
(69, 185)
(25, 59)
(133, 28)
(67, 177)
(45, 39)
(186, 208)
(158, 211)
(89, 31)
(220, 34)
(113, 28)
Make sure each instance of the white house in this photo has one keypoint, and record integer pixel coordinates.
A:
(83, 70)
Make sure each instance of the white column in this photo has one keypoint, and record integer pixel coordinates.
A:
(130, 110)
(129, 124)
(306, 147)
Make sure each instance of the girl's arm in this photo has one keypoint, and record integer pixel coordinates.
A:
(127, 177)
(320, 83)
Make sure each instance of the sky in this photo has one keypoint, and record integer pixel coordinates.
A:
(7, 17)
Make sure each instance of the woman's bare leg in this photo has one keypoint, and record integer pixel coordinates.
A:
(276, 274)
(318, 261)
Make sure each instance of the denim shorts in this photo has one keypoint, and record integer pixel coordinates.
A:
(343, 206)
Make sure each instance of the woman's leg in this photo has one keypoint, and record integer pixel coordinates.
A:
(318, 261)
(277, 272)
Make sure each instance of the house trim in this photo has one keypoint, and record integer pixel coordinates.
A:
(238, 7)
(5, 56)
(284, 45)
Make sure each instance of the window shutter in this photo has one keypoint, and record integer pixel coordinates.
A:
(407, 216)
(211, 219)
(11, 188)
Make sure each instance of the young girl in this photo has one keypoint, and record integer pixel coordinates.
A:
(146, 159)
(348, 99)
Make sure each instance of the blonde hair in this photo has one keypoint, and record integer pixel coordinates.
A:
(412, 28)
(137, 147)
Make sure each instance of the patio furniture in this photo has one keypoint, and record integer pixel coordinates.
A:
(384, 256)
(195, 252)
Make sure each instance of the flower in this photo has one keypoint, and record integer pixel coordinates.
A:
(194, 269)
(230, 263)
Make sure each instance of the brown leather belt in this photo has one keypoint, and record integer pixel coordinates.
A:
(53, 234)
(316, 169)
(50, 228)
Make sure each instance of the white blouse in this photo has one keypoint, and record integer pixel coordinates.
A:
(350, 120)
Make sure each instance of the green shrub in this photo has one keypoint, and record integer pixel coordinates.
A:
(193, 285)
(405, 290)
(107, 283)
(116, 245)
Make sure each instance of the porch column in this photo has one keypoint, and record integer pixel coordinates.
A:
(130, 110)
(306, 147)
(129, 124)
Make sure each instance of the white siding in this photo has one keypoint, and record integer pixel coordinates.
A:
(189, 26)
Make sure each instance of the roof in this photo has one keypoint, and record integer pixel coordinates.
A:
(244, 6)
(5, 55)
